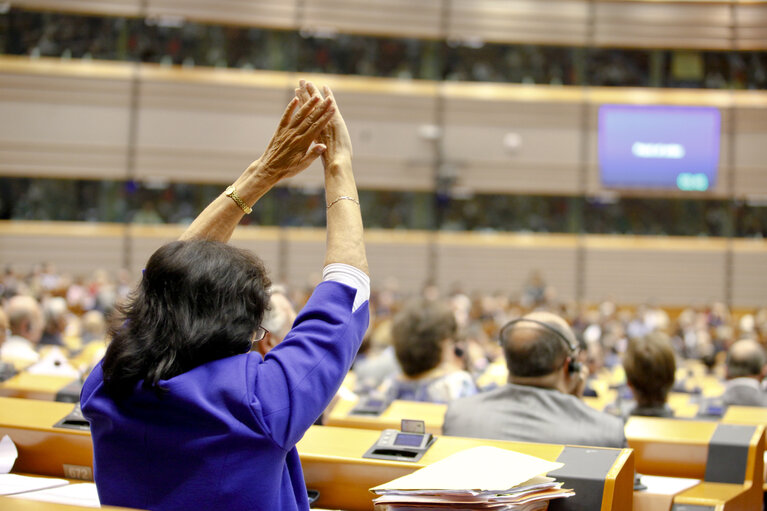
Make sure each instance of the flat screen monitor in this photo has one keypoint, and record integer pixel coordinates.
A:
(665, 147)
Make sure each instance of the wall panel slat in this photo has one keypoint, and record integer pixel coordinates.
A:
(658, 276)
(63, 126)
(258, 13)
(398, 18)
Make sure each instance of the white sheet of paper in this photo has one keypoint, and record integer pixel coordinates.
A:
(8, 454)
(11, 484)
(479, 468)
(80, 494)
(667, 485)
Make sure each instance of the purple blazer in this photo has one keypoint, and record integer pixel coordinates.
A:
(224, 435)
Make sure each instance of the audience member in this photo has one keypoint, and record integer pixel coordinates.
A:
(650, 367)
(424, 335)
(746, 368)
(540, 403)
(278, 320)
(93, 327)
(25, 319)
(6, 369)
(55, 316)
(376, 362)
(183, 415)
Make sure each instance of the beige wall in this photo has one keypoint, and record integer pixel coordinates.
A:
(625, 269)
(73, 119)
(666, 24)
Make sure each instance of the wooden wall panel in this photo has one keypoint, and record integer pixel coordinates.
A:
(398, 260)
(389, 151)
(656, 271)
(399, 18)
(492, 263)
(749, 278)
(545, 160)
(198, 131)
(103, 7)
(72, 248)
(305, 257)
(625, 269)
(751, 26)
(750, 162)
(259, 13)
(665, 25)
(63, 125)
(519, 21)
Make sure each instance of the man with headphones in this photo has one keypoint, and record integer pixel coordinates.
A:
(540, 403)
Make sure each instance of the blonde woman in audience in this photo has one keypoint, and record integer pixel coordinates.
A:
(25, 320)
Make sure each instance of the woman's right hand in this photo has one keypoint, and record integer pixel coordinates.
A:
(292, 147)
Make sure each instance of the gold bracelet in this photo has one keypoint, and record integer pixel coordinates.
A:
(344, 197)
(231, 192)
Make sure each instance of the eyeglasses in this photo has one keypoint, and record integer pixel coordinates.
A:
(260, 333)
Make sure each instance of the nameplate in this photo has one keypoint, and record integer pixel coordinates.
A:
(78, 472)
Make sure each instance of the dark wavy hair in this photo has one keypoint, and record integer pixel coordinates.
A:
(198, 301)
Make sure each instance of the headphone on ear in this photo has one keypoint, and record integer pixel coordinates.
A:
(573, 366)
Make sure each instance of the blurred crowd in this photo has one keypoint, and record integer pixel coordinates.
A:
(451, 337)
(164, 202)
(174, 41)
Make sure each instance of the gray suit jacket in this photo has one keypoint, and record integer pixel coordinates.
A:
(530, 414)
(744, 392)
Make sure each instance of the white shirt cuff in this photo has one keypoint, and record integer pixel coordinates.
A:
(352, 277)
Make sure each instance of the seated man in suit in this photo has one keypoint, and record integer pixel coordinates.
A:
(746, 368)
(540, 403)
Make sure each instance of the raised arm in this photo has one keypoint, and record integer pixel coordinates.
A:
(345, 242)
(289, 152)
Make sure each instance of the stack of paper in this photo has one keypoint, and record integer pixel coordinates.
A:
(477, 478)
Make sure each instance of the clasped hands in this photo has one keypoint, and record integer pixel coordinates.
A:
(311, 126)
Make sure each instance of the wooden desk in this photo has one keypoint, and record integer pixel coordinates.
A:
(728, 459)
(750, 415)
(43, 449)
(9, 504)
(433, 414)
(34, 386)
(331, 457)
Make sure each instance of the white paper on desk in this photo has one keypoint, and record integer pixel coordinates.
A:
(667, 485)
(11, 484)
(8, 454)
(80, 494)
(479, 468)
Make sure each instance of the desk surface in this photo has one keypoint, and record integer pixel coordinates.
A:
(432, 414)
(34, 386)
(751, 415)
(331, 457)
(9, 504)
